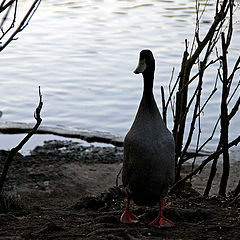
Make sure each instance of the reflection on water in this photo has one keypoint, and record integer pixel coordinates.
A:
(82, 54)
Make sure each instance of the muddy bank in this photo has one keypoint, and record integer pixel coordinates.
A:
(69, 193)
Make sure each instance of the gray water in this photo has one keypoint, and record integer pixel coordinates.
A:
(83, 53)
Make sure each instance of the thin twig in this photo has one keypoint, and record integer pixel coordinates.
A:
(13, 21)
(234, 109)
(212, 172)
(236, 191)
(197, 74)
(234, 92)
(117, 177)
(171, 91)
(198, 141)
(198, 115)
(236, 67)
(164, 109)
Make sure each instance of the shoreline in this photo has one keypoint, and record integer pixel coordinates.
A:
(68, 133)
(71, 149)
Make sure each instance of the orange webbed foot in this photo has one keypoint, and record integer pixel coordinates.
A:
(161, 222)
(128, 217)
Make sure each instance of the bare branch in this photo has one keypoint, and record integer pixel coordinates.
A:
(234, 109)
(23, 23)
(198, 140)
(164, 109)
(224, 119)
(230, 26)
(3, 7)
(13, 21)
(192, 126)
(186, 67)
(234, 92)
(220, 16)
(203, 164)
(171, 91)
(236, 191)
(236, 67)
(197, 74)
(21, 144)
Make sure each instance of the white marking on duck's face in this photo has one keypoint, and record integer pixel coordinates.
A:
(141, 66)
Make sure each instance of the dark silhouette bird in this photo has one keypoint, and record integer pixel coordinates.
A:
(148, 165)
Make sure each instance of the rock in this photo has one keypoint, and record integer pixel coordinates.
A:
(73, 151)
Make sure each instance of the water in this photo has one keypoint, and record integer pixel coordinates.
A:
(83, 53)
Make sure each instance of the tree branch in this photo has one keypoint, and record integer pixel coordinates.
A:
(164, 108)
(13, 21)
(23, 23)
(3, 7)
(20, 145)
(203, 164)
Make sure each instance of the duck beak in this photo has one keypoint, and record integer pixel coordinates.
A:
(141, 66)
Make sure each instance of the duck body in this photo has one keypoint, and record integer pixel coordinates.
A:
(148, 164)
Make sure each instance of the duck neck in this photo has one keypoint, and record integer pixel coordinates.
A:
(148, 83)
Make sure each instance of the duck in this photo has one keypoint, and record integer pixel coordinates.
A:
(149, 149)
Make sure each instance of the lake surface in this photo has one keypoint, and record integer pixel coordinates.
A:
(83, 53)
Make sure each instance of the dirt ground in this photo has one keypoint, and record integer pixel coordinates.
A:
(69, 192)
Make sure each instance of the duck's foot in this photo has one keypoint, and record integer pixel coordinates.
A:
(128, 217)
(161, 222)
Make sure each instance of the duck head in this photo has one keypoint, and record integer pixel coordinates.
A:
(146, 63)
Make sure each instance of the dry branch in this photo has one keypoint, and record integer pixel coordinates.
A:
(8, 4)
(224, 119)
(192, 127)
(236, 191)
(183, 105)
(188, 61)
(164, 109)
(203, 164)
(22, 24)
(14, 150)
(4, 32)
(234, 109)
